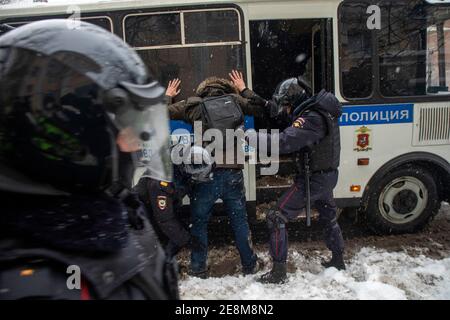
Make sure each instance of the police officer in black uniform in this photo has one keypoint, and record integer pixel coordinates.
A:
(314, 137)
(75, 102)
(163, 201)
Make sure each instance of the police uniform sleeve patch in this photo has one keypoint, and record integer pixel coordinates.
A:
(162, 202)
(299, 123)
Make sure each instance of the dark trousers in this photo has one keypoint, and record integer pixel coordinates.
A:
(291, 204)
(228, 185)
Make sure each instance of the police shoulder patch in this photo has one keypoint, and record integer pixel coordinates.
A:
(162, 202)
(163, 183)
(299, 123)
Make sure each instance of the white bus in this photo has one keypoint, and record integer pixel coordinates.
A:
(388, 64)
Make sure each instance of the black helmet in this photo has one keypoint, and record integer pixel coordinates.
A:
(292, 91)
(192, 161)
(198, 164)
(72, 97)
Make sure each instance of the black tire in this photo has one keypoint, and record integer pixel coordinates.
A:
(402, 201)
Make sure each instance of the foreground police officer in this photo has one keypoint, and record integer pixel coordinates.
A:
(75, 101)
(314, 136)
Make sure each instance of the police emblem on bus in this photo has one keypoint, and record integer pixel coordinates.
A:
(363, 139)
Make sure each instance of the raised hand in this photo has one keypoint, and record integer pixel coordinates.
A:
(238, 80)
(173, 88)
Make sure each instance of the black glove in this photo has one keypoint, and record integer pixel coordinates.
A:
(273, 109)
(257, 100)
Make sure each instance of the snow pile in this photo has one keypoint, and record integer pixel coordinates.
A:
(371, 274)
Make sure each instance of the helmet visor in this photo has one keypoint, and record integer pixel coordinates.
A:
(152, 159)
(281, 95)
(145, 130)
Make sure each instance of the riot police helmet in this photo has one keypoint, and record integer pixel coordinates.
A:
(198, 164)
(292, 92)
(73, 99)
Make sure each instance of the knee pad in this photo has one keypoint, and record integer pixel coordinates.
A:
(275, 220)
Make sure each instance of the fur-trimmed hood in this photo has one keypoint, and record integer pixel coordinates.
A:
(214, 86)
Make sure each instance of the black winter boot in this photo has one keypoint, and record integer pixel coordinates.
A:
(336, 261)
(200, 274)
(259, 265)
(276, 275)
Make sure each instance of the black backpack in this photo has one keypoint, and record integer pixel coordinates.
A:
(222, 112)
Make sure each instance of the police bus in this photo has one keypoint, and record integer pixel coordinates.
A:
(387, 61)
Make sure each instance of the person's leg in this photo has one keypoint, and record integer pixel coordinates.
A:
(288, 208)
(204, 195)
(235, 205)
(331, 231)
(322, 189)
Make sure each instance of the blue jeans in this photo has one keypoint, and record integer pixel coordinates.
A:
(228, 185)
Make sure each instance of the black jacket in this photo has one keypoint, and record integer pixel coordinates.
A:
(41, 237)
(137, 272)
(314, 129)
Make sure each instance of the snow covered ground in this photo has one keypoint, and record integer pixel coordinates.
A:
(371, 274)
(415, 266)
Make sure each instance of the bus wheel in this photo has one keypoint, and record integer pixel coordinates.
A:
(402, 201)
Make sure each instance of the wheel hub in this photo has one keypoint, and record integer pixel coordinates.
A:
(403, 200)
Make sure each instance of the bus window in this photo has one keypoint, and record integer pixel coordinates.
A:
(208, 26)
(438, 57)
(356, 51)
(153, 30)
(190, 45)
(280, 49)
(414, 49)
(103, 22)
(192, 64)
(288, 48)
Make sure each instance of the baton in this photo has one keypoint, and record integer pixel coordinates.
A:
(307, 190)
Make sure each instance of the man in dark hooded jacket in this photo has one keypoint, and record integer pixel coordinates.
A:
(314, 137)
(227, 183)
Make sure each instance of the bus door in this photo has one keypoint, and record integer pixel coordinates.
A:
(280, 49)
(322, 56)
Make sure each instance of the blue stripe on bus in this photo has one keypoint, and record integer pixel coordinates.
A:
(377, 114)
(178, 124)
(351, 116)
